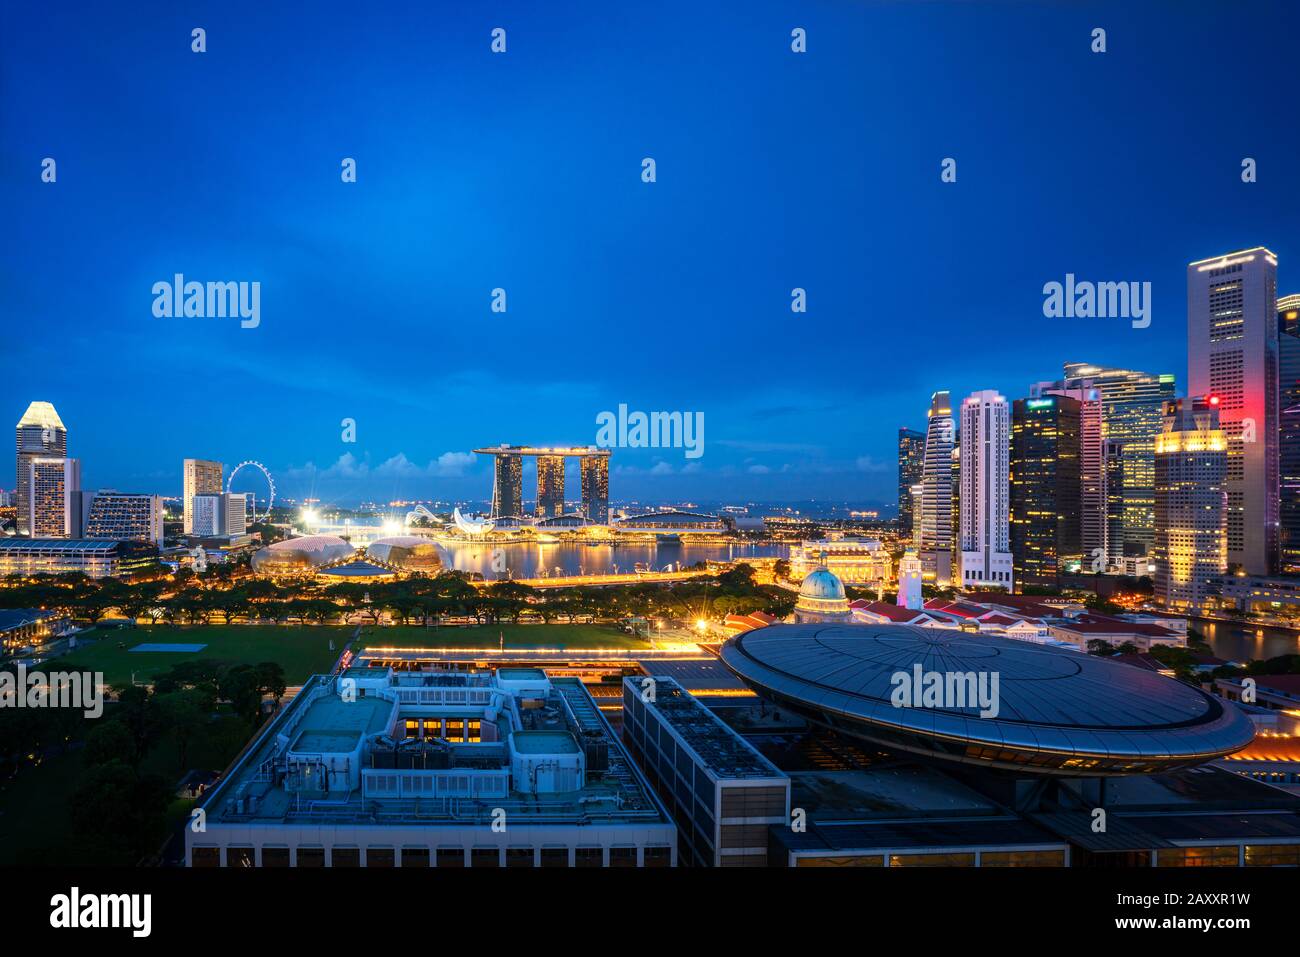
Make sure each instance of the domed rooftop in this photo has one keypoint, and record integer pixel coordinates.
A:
(1055, 711)
(822, 584)
(822, 598)
(297, 555)
(408, 552)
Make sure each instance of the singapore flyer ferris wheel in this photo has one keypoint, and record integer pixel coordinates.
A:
(270, 487)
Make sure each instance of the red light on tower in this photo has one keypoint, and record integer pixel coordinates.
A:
(1214, 400)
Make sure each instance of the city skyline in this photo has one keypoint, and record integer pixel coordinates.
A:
(376, 303)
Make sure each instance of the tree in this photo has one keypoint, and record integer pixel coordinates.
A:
(138, 711)
(119, 814)
(109, 741)
(185, 714)
(271, 680)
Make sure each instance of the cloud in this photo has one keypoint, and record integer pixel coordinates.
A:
(348, 466)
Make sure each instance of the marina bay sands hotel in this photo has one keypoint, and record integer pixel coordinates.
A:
(508, 480)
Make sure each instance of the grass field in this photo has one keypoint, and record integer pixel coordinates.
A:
(304, 650)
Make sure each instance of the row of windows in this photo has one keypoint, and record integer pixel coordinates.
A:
(652, 856)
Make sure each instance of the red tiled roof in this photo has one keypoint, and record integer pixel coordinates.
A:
(893, 612)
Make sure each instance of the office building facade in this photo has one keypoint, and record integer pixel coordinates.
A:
(40, 434)
(1132, 414)
(1288, 358)
(1046, 531)
(1232, 355)
(985, 491)
(911, 462)
(936, 492)
(1191, 532)
(200, 477)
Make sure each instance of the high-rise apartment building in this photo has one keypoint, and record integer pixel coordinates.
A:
(40, 433)
(911, 461)
(984, 530)
(1232, 356)
(1288, 454)
(201, 477)
(936, 492)
(1046, 531)
(118, 516)
(1191, 466)
(53, 497)
(550, 486)
(1132, 413)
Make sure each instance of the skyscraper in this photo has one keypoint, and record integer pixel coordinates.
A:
(1191, 464)
(40, 433)
(595, 487)
(54, 497)
(984, 528)
(1132, 412)
(1092, 480)
(1232, 355)
(1112, 470)
(508, 486)
(1288, 358)
(1045, 488)
(200, 477)
(936, 495)
(550, 486)
(911, 461)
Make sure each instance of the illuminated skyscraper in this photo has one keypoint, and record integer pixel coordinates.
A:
(1191, 465)
(1112, 469)
(508, 486)
(1092, 482)
(1045, 488)
(200, 477)
(1232, 355)
(40, 433)
(985, 496)
(54, 497)
(1132, 412)
(911, 460)
(595, 487)
(936, 495)
(1288, 358)
(550, 486)
(121, 517)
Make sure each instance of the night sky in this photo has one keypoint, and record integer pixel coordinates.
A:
(522, 171)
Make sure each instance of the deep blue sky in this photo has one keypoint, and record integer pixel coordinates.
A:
(522, 171)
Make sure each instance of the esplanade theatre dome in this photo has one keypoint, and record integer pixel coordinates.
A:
(300, 556)
(822, 598)
(411, 553)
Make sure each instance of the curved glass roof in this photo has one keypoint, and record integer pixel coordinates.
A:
(1057, 711)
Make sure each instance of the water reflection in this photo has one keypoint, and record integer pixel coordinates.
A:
(536, 560)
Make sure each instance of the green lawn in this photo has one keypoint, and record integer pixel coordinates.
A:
(304, 650)
(301, 650)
